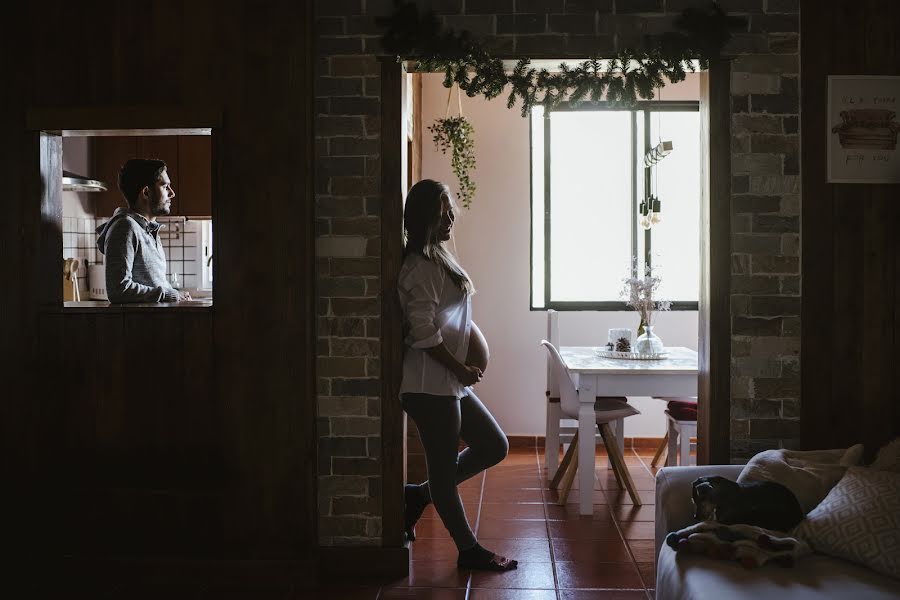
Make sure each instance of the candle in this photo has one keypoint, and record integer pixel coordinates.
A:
(617, 334)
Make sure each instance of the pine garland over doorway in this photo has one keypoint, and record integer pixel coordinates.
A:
(624, 77)
(620, 79)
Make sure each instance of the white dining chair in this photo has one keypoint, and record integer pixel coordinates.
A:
(677, 439)
(606, 410)
(560, 429)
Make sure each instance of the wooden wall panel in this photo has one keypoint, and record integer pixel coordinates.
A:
(849, 253)
(216, 454)
(136, 450)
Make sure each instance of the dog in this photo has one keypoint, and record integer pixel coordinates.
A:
(764, 504)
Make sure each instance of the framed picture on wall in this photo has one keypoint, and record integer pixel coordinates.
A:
(862, 129)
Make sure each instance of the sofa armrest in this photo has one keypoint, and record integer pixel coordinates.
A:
(674, 507)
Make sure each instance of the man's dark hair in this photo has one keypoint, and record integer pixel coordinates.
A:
(137, 173)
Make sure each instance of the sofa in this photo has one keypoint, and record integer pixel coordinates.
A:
(694, 577)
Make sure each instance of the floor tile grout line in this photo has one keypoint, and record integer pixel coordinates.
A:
(547, 521)
(646, 468)
(630, 552)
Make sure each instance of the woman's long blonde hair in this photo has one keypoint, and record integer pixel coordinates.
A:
(421, 218)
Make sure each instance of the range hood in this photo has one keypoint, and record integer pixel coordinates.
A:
(78, 183)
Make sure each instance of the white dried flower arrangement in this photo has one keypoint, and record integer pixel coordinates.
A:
(639, 293)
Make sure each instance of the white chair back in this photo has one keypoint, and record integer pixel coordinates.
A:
(568, 394)
(553, 336)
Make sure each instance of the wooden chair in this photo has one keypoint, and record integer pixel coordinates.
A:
(558, 428)
(607, 410)
(677, 439)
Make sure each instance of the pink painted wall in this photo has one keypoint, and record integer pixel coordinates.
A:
(492, 240)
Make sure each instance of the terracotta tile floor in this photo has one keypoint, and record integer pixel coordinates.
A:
(562, 556)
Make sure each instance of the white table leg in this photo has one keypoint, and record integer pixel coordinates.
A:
(587, 446)
(551, 443)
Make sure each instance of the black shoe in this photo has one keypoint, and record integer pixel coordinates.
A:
(479, 559)
(415, 506)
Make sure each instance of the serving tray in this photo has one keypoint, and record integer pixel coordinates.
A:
(631, 355)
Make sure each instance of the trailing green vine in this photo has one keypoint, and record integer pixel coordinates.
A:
(456, 134)
(623, 78)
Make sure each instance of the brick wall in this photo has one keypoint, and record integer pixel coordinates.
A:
(765, 208)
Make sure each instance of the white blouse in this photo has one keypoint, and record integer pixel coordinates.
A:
(435, 310)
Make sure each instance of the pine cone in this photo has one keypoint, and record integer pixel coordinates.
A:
(623, 345)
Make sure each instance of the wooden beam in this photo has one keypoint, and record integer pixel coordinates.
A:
(714, 386)
(124, 120)
(49, 184)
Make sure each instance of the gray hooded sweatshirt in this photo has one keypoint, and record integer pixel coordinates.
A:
(135, 259)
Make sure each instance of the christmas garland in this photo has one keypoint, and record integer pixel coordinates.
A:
(620, 79)
(625, 77)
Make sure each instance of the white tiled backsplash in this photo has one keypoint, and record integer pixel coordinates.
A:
(180, 237)
(80, 241)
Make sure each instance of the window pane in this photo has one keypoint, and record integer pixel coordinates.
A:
(676, 181)
(590, 181)
(537, 206)
(640, 233)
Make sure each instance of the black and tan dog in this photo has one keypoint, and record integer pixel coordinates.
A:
(761, 503)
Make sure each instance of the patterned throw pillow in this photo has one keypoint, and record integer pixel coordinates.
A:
(859, 520)
(888, 458)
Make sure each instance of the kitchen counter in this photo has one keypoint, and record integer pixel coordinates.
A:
(203, 304)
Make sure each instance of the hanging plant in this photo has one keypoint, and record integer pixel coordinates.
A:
(621, 79)
(457, 135)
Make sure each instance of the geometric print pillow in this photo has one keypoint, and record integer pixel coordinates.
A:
(859, 520)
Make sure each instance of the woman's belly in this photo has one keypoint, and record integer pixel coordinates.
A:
(478, 352)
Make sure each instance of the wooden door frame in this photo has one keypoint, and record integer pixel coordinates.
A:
(714, 317)
(714, 384)
(393, 422)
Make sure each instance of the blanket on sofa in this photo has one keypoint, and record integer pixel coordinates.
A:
(751, 546)
(809, 475)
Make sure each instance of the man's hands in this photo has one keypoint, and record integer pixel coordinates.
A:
(469, 375)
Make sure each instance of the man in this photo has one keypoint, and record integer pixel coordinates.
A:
(135, 259)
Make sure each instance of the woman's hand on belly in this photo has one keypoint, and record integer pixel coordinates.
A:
(478, 352)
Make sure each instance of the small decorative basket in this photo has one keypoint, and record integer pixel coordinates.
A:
(631, 355)
(867, 129)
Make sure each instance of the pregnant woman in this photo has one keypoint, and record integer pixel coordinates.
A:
(445, 355)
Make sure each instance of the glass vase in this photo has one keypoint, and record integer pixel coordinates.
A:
(649, 342)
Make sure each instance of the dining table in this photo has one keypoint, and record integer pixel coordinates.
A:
(673, 375)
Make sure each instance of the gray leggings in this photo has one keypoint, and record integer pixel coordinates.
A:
(442, 421)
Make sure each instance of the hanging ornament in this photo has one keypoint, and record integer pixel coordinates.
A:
(644, 209)
(657, 153)
(657, 206)
(651, 207)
